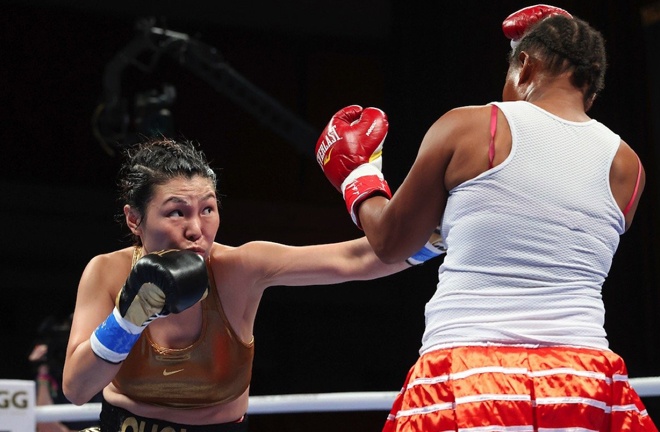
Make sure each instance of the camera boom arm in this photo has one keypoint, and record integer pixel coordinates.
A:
(205, 62)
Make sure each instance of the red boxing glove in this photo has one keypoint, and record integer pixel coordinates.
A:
(349, 151)
(516, 24)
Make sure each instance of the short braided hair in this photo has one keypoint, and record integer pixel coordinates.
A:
(568, 44)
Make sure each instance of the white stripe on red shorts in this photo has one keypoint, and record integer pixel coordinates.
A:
(518, 389)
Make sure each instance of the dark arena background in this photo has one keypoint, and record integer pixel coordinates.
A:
(255, 86)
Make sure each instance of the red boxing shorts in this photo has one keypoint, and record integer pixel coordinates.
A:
(516, 388)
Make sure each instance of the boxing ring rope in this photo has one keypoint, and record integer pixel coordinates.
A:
(299, 403)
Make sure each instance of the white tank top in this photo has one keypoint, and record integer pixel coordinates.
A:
(530, 241)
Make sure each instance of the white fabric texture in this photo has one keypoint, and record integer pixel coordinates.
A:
(530, 241)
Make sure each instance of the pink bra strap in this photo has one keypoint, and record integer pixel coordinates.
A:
(493, 128)
(636, 190)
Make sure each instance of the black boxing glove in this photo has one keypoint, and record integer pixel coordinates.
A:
(159, 284)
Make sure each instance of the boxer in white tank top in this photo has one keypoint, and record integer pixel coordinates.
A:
(532, 196)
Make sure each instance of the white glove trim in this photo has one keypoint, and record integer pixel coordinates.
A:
(361, 171)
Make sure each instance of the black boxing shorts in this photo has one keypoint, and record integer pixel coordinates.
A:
(115, 419)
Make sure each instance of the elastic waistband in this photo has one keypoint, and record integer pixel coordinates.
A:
(115, 419)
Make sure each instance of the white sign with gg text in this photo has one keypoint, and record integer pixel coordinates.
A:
(17, 406)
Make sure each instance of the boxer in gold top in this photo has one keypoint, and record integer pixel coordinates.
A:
(164, 328)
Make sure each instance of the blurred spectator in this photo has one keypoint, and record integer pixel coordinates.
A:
(47, 357)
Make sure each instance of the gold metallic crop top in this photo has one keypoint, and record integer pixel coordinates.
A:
(215, 369)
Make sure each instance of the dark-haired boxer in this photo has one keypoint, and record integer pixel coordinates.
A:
(533, 195)
(164, 328)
